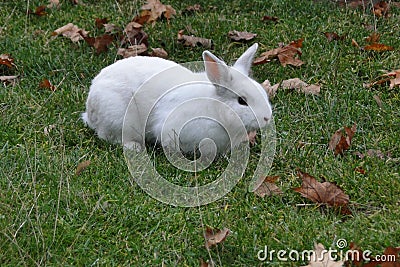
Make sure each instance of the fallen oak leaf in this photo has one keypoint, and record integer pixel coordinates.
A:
(39, 11)
(339, 143)
(241, 36)
(265, 186)
(381, 9)
(46, 84)
(387, 77)
(270, 89)
(194, 41)
(215, 236)
(373, 38)
(100, 22)
(159, 52)
(7, 60)
(301, 86)
(100, 43)
(143, 17)
(134, 35)
(323, 193)
(82, 166)
(297, 43)
(132, 51)
(286, 54)
(153, 10)
(378, 47)
(72, 32)
(333, 36)
(396, 80)
(111, 28)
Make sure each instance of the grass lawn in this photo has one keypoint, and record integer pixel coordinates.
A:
(51, 216)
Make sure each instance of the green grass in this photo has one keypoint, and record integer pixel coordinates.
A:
(50, 216)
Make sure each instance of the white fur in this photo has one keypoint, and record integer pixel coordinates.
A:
(113, 88)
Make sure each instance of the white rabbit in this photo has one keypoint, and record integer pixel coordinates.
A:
(171, 104)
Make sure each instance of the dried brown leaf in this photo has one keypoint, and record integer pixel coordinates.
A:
(100, 43)
(394, 82)
(340, 142)
(378, 47)
(132, 51)
(143, 17)
(111, 28)
(301, 86)
(297, 43)
(72, 32)
(134, 35)
(215, 236)
(46, 84)
(381, 9)
(333, 36)
(393, 78)
(82, 166)
(241, 36)
(39, 11)
(265, 186)
(270, 89)
(7, 60)
(194, 41)
(323, 193)
(287, 55)
(153, 10)
(100, 22)
(373, 38)
(159, 52)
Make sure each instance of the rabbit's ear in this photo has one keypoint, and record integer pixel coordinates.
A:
(217, 71)
(243, 64)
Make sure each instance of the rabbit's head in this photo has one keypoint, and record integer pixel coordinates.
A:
(235, 88)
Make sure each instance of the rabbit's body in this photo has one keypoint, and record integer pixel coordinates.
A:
(201, 114)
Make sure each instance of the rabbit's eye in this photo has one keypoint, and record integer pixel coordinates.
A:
(242, 101)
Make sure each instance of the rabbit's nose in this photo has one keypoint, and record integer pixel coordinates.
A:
(266, 119)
